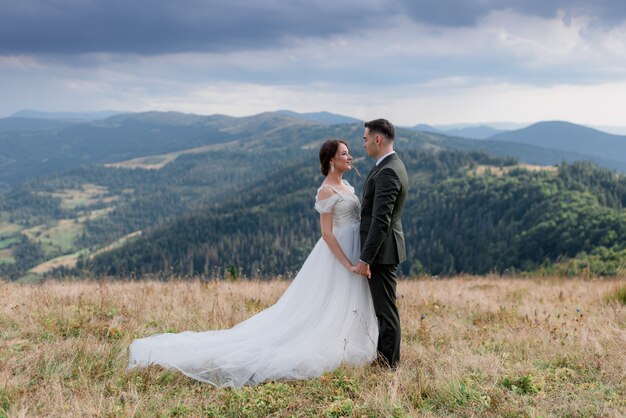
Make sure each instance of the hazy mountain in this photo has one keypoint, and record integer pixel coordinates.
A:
(82, 116)
(527, 153)
(500, 126)
(42, 147)
(30, 124)
(569, 137)
(531, 154)
(30, 153)
(425, 128)
(615, 130)
(321, 117)
(473, 132)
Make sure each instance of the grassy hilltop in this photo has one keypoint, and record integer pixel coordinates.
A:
(471, 346)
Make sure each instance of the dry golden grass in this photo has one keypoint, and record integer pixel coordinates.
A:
(500, 171)
(6, 256)
(68, 260)
(7, 228)
(157, 162)
(88, 194)
(471, 347)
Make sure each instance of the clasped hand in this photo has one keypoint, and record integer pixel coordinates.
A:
(363, 269)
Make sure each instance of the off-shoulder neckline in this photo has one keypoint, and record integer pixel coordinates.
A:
(344, 181)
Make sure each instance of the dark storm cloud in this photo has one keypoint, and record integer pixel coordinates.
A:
(162, 26)
(467, 12)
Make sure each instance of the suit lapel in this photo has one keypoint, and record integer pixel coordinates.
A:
(387, 159)
(382, 164)
(376, 168)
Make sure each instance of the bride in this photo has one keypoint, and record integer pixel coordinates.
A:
(324, 319)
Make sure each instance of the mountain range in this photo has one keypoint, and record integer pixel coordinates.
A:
(130, 186)
(470, 132)
(39, 147)
(569, 137)
(68, 116)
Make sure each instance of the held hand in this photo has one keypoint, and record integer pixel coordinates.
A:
(363, 269)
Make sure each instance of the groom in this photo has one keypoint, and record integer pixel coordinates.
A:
(382, 239)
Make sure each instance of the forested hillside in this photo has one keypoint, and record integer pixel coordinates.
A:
(123, 202)
(519, 221)
(252, 170)
(458, 219)
(25, 154)
(85, 210)
(31, 148)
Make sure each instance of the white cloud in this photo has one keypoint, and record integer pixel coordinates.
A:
(540, 41)
(19, 63)
(509, 67)
(592, 104)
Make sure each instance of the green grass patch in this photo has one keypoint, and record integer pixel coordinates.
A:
(58, 238)
(7, 396)
(9, 241)
(526, 384)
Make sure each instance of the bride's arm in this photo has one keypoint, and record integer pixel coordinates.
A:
(326, 223)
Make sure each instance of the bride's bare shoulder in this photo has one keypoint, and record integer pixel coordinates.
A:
(324, 192)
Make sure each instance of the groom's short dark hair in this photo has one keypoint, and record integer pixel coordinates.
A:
(382, 126)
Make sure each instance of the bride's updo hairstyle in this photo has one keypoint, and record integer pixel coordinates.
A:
(327, 151)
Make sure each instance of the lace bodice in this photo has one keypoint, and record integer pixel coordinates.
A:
(345, 206)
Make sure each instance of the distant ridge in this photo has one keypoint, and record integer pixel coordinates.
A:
(474, 132)
(425, 128)
(40, 147)
(30, 124)
(321, 117)
(83, 116)
(470, 132)
(569, 137)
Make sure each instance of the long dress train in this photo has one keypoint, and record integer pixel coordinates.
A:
(324, 319)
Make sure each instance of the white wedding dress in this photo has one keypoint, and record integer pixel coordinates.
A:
(324, 319)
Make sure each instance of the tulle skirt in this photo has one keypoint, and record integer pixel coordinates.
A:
(324, 319)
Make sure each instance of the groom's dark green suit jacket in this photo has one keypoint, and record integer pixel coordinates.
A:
(384, 194)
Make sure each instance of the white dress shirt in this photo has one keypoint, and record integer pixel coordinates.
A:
(383, 157)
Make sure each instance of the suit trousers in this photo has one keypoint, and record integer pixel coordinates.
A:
(383, 288)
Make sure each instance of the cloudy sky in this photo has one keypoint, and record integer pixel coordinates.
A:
(413, 61)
